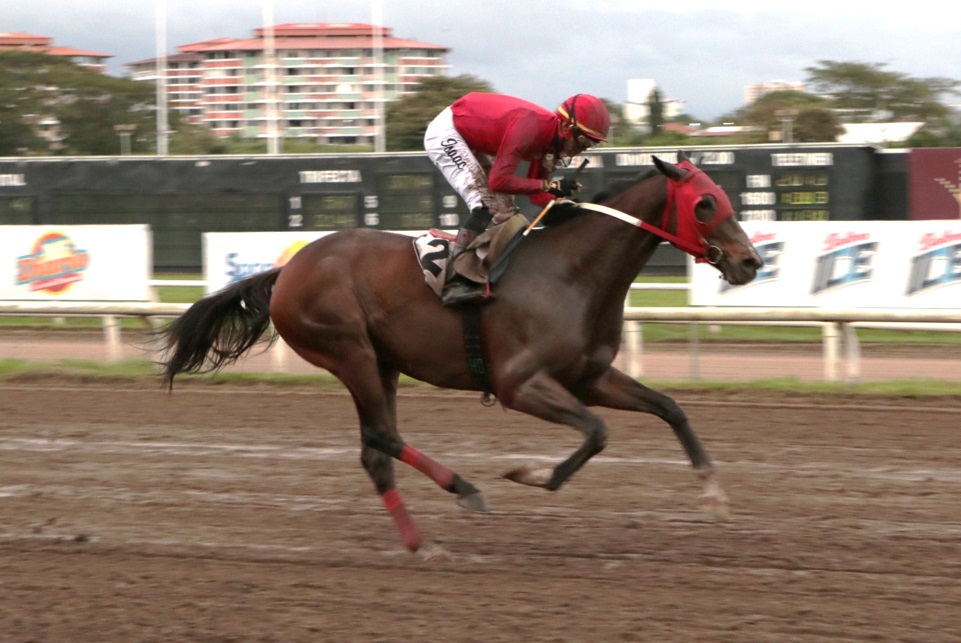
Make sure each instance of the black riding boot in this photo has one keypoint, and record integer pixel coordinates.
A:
(458, 289)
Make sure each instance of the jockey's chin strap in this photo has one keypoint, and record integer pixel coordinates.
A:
(683, 197)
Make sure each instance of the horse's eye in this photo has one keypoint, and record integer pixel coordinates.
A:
(705, 206)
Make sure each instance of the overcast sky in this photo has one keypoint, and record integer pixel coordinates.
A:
(702, 52)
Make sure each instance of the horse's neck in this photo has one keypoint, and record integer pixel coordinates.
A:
(613, 251)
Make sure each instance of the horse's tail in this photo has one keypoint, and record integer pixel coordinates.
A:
(218, 329)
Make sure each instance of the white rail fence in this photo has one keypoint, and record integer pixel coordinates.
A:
(841, 350)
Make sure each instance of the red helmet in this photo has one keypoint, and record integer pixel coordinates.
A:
(588, 114)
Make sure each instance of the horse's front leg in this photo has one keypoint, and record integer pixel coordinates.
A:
(617, 390)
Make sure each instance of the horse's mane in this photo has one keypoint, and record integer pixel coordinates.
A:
(623, 185)
(563, 212)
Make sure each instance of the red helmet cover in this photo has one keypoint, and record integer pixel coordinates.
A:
(588, 114)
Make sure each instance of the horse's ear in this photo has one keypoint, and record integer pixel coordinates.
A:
(682, 156)
(667, 169)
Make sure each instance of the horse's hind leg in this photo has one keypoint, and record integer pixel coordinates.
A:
(380, 468)
(617, 390)
(375, 398)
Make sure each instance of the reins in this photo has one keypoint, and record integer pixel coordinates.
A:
(683, 195)
(686, 246)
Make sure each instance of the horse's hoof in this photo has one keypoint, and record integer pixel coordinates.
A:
(473, 501)
(412, 540)
(714, 501)
(526, 474)
(432, 552)
(717, 509)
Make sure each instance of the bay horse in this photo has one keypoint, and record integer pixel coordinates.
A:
(355, 303)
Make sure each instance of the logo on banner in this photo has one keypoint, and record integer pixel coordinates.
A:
(848, 261)
(289, 253)
(238, 269)
(54, 264)
(770, 251)
(953, 188)
(939, 263)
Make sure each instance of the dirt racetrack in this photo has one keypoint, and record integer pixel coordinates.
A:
(241, 513)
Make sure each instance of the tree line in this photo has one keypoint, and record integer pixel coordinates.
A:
(51, 106)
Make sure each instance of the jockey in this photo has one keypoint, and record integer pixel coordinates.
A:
(462, 139)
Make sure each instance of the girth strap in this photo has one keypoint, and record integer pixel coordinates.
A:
(473, 345)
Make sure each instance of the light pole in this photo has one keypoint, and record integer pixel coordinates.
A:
(380, 133)
(787, 117)
(124, 131)
(160, 68)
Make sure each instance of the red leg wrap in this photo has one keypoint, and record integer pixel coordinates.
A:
(434, 470)
(409, 533)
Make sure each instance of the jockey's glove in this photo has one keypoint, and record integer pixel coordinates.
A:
(563, 188)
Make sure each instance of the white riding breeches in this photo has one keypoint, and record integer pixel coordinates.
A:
(466, 173)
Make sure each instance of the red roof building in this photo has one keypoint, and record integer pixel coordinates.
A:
(324, 82)
(44, 44)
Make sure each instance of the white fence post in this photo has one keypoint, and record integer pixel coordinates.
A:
(634, 349)
(694, 351)
(852, 354)
(279, 354)
(111, 335)
(831, 336)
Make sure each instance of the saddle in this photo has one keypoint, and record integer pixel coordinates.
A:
(433, 252)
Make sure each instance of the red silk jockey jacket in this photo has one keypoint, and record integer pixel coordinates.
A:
(512, 130)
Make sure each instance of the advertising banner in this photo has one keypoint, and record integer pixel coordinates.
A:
(75, 263)
(231, 256)
(844, 264)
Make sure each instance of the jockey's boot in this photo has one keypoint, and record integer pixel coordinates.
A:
(458, 289)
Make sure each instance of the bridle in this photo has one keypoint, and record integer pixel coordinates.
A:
(683, 197)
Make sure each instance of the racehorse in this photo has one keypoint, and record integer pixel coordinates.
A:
(356, 304)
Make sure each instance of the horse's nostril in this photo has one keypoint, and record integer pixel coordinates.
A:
(752, 263)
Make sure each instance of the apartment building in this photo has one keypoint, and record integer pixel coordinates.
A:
(325, 82)
(756, 90)
(44, 45)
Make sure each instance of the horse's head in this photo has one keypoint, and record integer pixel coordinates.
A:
(700, 217)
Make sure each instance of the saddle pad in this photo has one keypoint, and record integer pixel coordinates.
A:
(433, 252)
